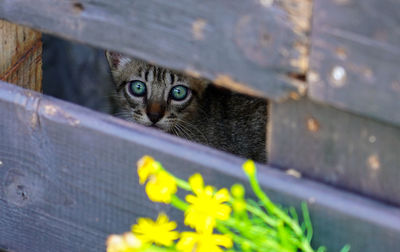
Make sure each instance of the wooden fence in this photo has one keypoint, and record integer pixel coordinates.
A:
(67, 173)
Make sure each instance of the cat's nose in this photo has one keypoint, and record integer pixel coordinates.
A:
(154, 117)
(155, 112)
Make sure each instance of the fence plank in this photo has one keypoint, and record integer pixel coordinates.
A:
(355, 57)
(232, 42)
(20, 56)
(336, 147)
(68, 180)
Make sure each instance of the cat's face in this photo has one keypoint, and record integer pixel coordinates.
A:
(153, 96)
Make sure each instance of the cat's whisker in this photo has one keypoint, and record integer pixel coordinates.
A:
(213, 116)
(124, 115)
(190, 127)
(173, 132)
(184, 132)
(189, 134)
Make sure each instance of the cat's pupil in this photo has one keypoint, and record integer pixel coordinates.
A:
(190, 108)
(179, 93)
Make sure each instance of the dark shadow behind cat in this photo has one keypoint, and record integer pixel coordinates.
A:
(188, 107)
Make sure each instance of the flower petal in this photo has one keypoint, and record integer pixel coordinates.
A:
(223, 240)
(223, 212)
(146, 167)
(191, 198)
(161, 187)
(222, 195)
(162, 218)
(196, 183)
(159, 231)
(123, 243)
(209, 191)
(187, 242)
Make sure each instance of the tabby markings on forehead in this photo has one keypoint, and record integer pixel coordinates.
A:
(159, 74)
(149, 76)
(140, 72)
(169, 78)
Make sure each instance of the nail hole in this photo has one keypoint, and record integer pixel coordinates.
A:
(341, 53)
(265, 39)
(21, 192)
(78, 7)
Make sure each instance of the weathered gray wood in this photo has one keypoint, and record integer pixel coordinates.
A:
(336, 147)
(68, 179)
(359, 43)
(235, 43)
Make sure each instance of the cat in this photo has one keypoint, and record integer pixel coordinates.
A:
(188, 107)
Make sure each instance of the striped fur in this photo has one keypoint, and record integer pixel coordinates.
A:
(213, 116)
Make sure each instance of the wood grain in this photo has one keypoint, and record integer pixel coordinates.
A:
(20, 56)
(249, 43)
(68, 179)
(336, 147)
(361, 39)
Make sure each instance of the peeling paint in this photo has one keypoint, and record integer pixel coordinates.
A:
(313, 76)
(293, 173)
(226, 81)
(192, 72)
(373, 162)
(295, 96)
(50, 110)
(61, 114)
(312, 124)
(198, 29)
(299, 14)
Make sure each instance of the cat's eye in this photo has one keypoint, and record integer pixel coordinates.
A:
(137, 88)
(179, 93)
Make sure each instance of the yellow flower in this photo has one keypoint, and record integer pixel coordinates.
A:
(239, 206)
(205, 206)
(161, 187)
(203, 242)
(159, 232)
(249, 167)
(237, 191)
(123, 243)
(147, 166)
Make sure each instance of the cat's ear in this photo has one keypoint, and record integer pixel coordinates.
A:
(116, 60)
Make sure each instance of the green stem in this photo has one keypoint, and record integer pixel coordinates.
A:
(272, 208)
(305, 245)
(183, 184)
(178, 203)
(265, 244)
(253, 230)
(307, 221)
(346, 248)
(237, 239)
(247, 228)
(259, 213)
